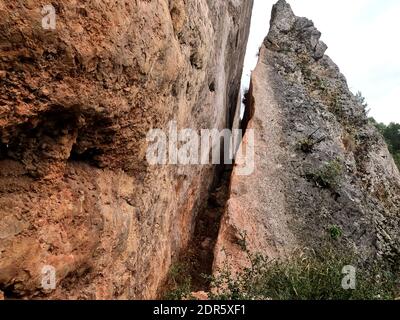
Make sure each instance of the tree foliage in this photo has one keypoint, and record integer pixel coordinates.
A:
(391, 133)
(363, 102)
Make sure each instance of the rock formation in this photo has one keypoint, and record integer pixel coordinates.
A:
(79, 200)
(76, 192)
(321, 167)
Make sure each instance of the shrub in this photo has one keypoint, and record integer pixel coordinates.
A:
(391, 133)
(396, 158)
(179, 283)
(335, 232)
(327, 176)
(362, 102)
(308, 276)
(307, 144)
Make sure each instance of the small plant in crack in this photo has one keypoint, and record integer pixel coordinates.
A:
(322, 84)
(308, 144)
(242, 241)
(335, 232)
(338, 109)
(328, 176)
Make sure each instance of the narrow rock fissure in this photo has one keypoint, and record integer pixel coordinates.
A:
(248, 102)
(197, 261)
(200, 254)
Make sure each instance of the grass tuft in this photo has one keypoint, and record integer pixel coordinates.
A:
(308, 276)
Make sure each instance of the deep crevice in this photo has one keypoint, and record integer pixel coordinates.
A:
(248, 101)
(197, 260)
(200, 254)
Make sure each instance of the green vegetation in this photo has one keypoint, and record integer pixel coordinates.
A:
(391, 133)
(335, 232)
(361, 99)
(308, 276)
(308, 144)
(179, 283)
(327, 176)
(242, 242)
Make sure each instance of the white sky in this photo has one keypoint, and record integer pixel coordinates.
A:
(363, 37)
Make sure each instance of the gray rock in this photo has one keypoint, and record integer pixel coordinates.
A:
(291, 204)
(320, 49)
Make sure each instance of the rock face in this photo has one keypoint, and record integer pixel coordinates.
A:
(321, 168)
(76, 192)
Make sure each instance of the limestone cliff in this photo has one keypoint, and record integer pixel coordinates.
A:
(76, 104)
(321, 167)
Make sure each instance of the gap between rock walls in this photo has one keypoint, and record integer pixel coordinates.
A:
(194, 265)
(200, 254)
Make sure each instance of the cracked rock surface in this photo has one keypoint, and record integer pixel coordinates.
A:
(76, 103)
(319, 163)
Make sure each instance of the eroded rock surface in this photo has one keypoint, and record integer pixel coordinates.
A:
(321, 167)
(76, 104)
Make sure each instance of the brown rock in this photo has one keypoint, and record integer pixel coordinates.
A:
(201, 296)
(76, 191)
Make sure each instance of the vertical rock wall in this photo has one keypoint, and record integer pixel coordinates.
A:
(76, 104)
(319, 162)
